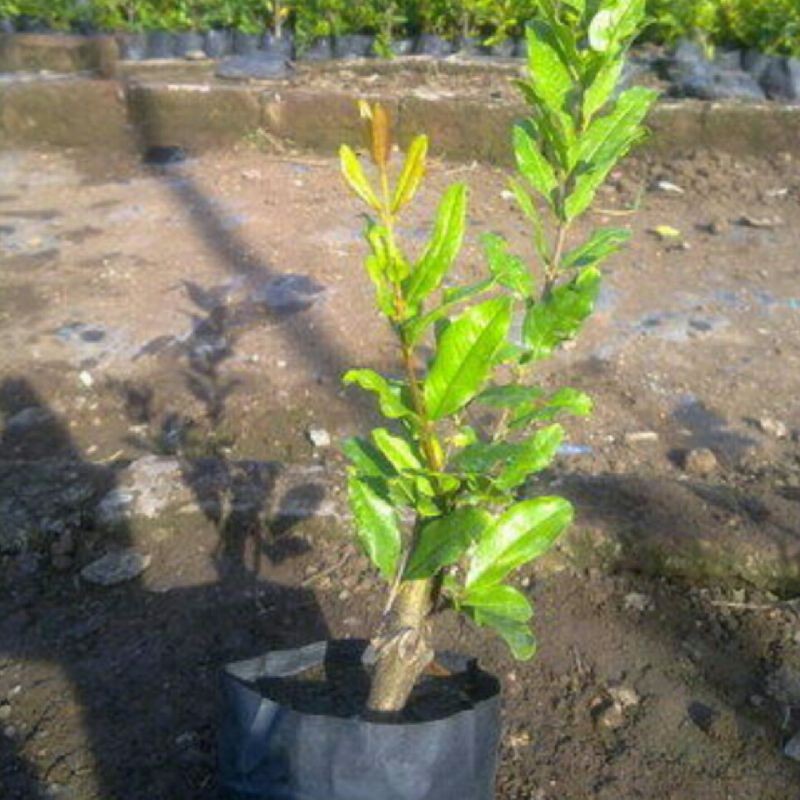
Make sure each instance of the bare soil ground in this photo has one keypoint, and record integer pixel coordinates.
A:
(210, 307)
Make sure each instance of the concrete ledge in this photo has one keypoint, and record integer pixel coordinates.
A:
(206, 114)
(195, 117)
(23, 52)
(319, 121)
(64, 113)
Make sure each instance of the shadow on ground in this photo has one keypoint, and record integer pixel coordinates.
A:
(143, 665)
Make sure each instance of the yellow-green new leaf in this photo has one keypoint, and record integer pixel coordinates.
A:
(355, 177)
(377, 525)
(412, 174)
(522, 534)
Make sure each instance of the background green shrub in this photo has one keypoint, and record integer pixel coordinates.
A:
(769, 25)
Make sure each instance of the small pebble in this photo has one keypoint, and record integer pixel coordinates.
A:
(635, 601)
(86, 379)
(319, 437)
(701, 462)
(625, 696)
(773, 427)
(668, 187)
(792, 748)
(611, 717)
(641, 436)
(116, 567)
(718, 226)
(5, 712)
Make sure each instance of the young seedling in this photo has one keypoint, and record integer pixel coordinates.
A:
(435, 500)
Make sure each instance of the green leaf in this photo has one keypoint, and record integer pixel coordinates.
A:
(522, 534)
(377, 525)
(499, 599)
(415, 327)
(390, 259)
(443, 541)
(578, 5)
(517, 460)
(615, 22)
(517, 635)
(397, 450)
(367, 459)
(354, 175)
(481, 457)
(508, 270)
(548, 74)
(606, 141)
(511, 353)
(527, 207)
(533, 165)
(466, 435)
(464, 356)
(531, 456)
(412, 174)
(512, 396)
(559, 316)
(564, 401)
(604, 81)
(390, 393)
(404, 458)
(377, 266)
(601, 244)
(442, 249)
(506, 610)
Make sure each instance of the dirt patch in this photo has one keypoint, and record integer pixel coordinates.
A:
(211, 315)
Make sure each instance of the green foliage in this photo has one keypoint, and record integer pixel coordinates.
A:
(768, 25)
(436, 497)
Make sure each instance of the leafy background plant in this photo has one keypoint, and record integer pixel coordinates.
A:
(434, 495)
(769, 25)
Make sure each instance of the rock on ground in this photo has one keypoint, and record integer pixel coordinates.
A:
(116, 567)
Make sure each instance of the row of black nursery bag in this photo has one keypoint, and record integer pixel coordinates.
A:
(160, 44)
(221, 43)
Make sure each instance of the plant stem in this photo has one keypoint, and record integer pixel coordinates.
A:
(403, 650)
(402, 644)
